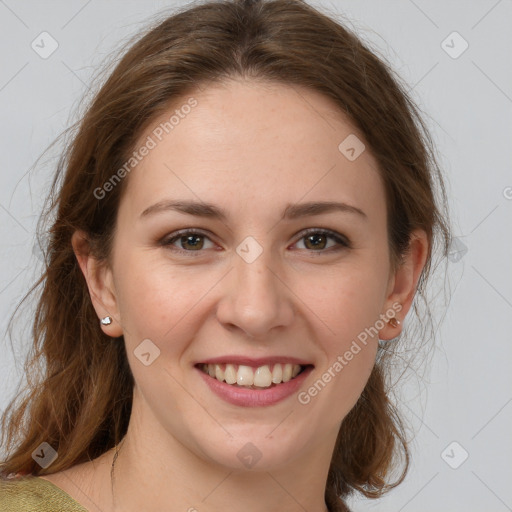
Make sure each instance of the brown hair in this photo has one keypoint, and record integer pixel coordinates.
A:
(285, 41)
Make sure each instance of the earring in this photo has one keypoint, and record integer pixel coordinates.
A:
(106, 321)
(394, 322)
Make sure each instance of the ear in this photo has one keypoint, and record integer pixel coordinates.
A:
(404, 281)
(100, 284)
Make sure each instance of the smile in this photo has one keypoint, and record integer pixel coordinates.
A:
(261, 377)
(251, 382)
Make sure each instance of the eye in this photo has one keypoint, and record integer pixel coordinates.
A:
(317, 240)
(188, 241)
(313, 240)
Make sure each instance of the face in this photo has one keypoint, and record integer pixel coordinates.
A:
(247, 240)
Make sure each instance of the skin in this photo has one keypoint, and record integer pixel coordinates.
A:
(251, 148)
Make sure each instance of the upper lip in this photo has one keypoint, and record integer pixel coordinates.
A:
(254, 361)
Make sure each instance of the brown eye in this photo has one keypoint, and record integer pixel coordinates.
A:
(195, 242)
(188, 241)
(319, 241)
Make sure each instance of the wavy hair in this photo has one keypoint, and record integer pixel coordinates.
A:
(284, 41)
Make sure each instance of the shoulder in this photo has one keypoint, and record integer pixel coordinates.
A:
(34, 494)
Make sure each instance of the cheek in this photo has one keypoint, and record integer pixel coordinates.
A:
(154, 298)
(163, 302)
(339, 382)
(349, 357)
(348, 305)
(348, 299)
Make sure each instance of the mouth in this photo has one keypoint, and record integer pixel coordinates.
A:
(253, 377)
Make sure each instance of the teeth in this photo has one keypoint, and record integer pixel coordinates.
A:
(219, 374)
(287, 372)
(277, 374)
(263, 377)
(230, 373)
(245, 376)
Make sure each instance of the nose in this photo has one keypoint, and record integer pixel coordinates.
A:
(256, 299)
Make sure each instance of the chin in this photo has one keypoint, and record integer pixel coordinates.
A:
(255, 449)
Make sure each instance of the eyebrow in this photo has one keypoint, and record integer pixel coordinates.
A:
(292, 211)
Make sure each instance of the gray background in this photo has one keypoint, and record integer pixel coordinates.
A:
(466, 394)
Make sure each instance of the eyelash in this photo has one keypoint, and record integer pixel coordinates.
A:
(342, 241)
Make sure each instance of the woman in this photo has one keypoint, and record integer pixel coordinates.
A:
(242, 222)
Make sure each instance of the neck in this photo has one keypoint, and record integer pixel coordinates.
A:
(146, 477)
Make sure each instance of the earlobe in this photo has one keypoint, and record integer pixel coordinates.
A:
(404, 282)
(98, 277)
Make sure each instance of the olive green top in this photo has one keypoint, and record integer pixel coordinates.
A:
(34, 494)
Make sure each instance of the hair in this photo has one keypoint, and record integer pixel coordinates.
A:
(278, 41)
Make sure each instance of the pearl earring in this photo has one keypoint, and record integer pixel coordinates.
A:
(106, 320)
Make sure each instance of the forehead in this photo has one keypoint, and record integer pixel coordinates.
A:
(247, 143)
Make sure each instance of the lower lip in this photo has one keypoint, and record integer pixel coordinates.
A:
(244, 397)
